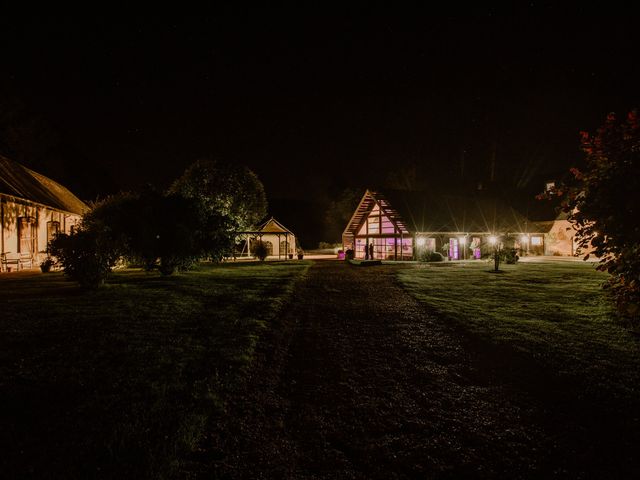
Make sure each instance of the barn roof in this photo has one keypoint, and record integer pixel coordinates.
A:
(21, 182)
(429, 211)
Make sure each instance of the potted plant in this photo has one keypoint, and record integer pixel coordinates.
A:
(46, 265)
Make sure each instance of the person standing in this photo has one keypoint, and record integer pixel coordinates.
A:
(366, 251)
(371, 251)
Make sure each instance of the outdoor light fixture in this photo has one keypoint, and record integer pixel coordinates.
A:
(463, 240)
(524, 239)
(420, 241)
(492, 240)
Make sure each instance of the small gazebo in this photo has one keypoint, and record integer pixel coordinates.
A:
(279, 240)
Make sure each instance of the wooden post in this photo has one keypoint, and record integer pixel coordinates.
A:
(395, 241)
(1, 224)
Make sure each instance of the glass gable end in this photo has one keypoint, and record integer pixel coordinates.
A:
(387, 239)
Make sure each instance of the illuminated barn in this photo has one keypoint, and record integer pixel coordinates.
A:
(404, 225)
(33, 208)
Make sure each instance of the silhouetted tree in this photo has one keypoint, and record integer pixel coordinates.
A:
(339, 213)
(226, 189)
(603, 203)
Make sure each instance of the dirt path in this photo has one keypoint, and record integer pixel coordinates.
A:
(358, 381)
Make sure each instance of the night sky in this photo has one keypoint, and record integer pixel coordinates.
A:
(314, 102)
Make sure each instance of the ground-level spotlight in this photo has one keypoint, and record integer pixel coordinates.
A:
(524, 239)
(420, 241)
(493, 239)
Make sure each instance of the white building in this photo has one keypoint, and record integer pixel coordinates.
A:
(33, 209)
(279, 240)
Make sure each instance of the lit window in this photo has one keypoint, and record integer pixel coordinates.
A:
(430, 244)
(536, 241)
(387, 225)
(374, 224)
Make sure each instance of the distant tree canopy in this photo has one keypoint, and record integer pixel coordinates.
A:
(229, 190)
(603, 203)
(340, 211)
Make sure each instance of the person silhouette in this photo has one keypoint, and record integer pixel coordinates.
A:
(366, 251)
(371, 251)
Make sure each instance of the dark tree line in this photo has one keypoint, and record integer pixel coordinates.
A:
(196, 219)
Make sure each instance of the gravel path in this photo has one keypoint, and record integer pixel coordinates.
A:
(358, 381)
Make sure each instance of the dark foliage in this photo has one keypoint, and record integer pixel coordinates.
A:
(46, 264)
(339, 212)
(226, 190)
(603, 203)
(260, 251)
(431, 256)
(86, 256)
(168, 232)
(511, 256)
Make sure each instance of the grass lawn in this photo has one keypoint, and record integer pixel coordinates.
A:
(121, 382)
(553, 315)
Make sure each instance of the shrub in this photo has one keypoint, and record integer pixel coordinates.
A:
(435, 257)
(349, 254)
(260, 251)
(85, 257)
(46, 264)
(430, 256)
(511, 256)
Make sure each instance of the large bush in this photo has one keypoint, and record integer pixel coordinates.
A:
(86, 256)
(167, 232)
